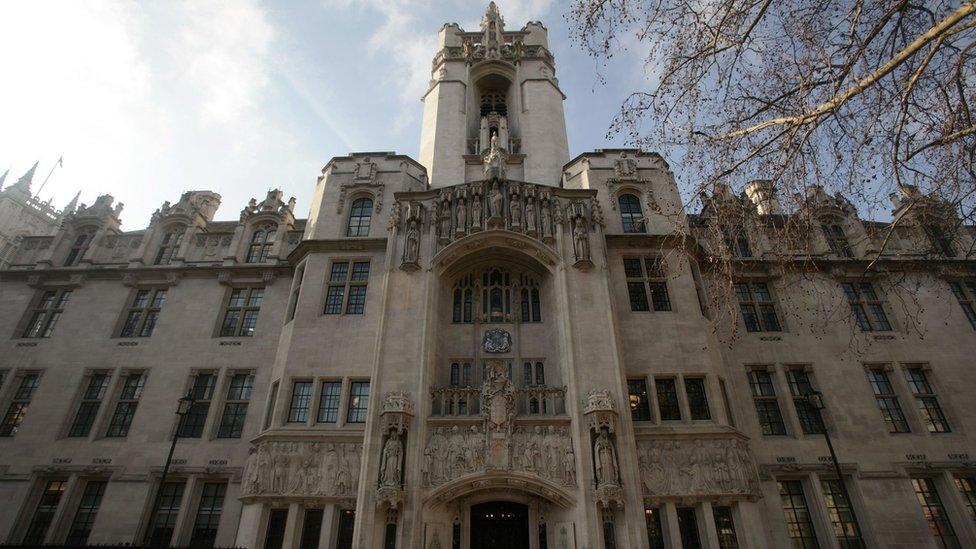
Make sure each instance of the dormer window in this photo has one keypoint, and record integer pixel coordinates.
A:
(941, 241)
(836, 239)
(78, 249)
(262, 241)
(169, 245)
(359, 217)
(735, 239)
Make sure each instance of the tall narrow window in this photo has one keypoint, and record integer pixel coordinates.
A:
(125, 408)
(631, 215)
(241, 312)
(767, 407)
(295, 293)
(640, 409)
(329, 402)
(140, 317)
(810, 420)
(941, 241)
(81, 525)
(163, 519)
(169, 246)
(301, 397)
(78, 248)
(757, 307)
(736, 241)
(91, 401)
(667, 399)
(725, 527)
(887, 401)
(965, 293)
(697, 398)
(928, 403)
(347, 522)
(347, 286)
(645, 276)
(935, 513)
(841, 515)
(655, 532)
(208, 515)
(799, 524)
(45, 315)
(311, 529)
(456, 373)
(195, 420)
(688, 528)
(967, 486)
(867, 307)
(277, 521)
(359, 216)
(836, 239)
(19, 404)
(358, 402)
(44, 514)
(235, 407)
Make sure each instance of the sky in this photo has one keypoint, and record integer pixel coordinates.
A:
(146, 100)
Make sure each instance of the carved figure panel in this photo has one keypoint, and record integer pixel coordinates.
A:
(278, 468)
(694, 467)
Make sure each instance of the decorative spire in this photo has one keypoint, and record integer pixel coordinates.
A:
(72, 206)
(25, 180)
(3, 178)
(492, 25)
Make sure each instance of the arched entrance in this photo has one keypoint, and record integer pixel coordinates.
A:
(499, 524)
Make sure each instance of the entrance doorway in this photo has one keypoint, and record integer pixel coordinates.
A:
(499, 524)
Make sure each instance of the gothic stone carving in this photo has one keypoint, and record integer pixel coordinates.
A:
(453, 452)
(302, 469)
(599, 411)
(498, 409)
(694, 467)
(364, 176)
(497, 341)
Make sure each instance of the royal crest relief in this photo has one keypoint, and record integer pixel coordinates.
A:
(497, 341)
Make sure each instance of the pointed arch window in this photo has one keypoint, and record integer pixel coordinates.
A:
(359, 217)
(169, 245)
(836, 239)
(78, 248)
(262, 241)
(631, 215)
(493, 101)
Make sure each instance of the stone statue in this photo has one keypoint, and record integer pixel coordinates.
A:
(446, 220)
(546, 218)
(530, 214)
(581, 239)
(494, 161)
(516, 209)
(606, 460)
(497, 200)
(462, 213)
(392, 461)
(411, 250)
(476, 211)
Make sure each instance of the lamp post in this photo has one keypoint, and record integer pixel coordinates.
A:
(182, 409)
(815, 400)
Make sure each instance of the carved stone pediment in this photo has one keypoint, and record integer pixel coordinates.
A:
(697, 467)
(302, 469)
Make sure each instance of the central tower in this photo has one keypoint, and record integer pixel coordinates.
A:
(493, 83)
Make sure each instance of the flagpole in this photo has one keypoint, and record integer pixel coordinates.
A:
(56, 164)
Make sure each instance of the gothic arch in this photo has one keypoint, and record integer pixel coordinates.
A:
(495, 245)
(502, 485)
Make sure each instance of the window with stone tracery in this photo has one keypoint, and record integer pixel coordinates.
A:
(262, 241)
(493, 101)
(489, 296)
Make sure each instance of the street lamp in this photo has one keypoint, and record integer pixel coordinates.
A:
(815, 400)
(182, 409)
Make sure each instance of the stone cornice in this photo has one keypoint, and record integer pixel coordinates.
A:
(149, 274)
(335, 245)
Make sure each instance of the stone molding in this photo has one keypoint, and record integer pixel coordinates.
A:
(302, 469)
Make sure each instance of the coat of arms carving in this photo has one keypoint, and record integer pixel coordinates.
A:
(497, 341)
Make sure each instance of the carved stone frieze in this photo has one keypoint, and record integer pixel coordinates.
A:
(456, 451)
(302, 469)
(696, 467)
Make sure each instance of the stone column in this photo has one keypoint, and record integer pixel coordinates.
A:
(672, 533)
(254, 517)
(329, 523)
(293, 526)
(707, 526)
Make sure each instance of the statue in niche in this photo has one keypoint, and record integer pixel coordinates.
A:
(475, 212)
(530, 214)
(497, 200)
(546, 218)
(427, 466)
(569, 463)
(462, 213)
(411, 250)
(446, 219)
(516, 207)
(606, 460)
(392, 461)
(494, 161)
(498, 409)
(581, 239)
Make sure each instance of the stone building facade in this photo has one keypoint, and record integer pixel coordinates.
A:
(497, 346)
(22, 214)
